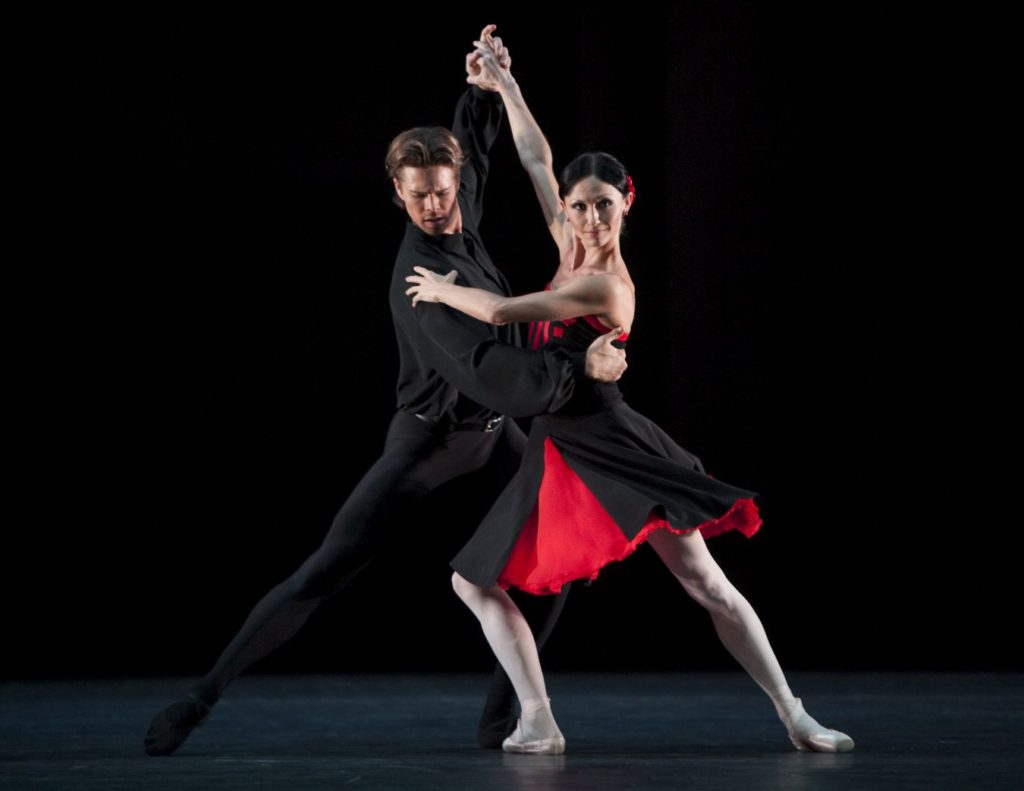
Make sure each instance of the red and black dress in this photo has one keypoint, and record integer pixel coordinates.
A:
(596, 479)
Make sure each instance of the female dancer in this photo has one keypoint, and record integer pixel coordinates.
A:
(597, 479)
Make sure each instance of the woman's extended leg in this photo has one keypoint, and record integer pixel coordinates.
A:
(742, 634)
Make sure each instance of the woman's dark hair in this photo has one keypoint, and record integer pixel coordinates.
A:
(598, 164)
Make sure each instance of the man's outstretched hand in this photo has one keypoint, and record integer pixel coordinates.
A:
(476, 71)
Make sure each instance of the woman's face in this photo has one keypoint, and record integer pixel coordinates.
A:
(595, 209)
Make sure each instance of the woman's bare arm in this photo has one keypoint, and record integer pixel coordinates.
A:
(534, 151)
(605, 296)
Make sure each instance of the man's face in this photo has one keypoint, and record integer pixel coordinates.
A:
(429, 197)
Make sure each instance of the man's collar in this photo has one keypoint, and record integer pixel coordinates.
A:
(449, 242)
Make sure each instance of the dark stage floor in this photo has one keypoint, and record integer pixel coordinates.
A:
(701, 731)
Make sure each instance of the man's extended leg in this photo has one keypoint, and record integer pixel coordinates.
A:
(414, 462)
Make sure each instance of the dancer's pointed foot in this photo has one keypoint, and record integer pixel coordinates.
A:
(809, 735)
(536, 732)
(172, 726)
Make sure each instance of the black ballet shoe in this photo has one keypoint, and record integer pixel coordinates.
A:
(169, 729)
(498, 719)
(495, 728)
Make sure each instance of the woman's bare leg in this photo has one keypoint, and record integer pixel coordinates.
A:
(742, 634)
(512, 641)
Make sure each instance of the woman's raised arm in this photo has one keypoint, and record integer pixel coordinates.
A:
(493, 59)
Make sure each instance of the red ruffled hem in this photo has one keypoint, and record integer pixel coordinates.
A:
(570, 536)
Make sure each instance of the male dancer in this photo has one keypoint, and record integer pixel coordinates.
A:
(456, 376)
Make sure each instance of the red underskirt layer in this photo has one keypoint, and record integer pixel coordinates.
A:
(570, 536)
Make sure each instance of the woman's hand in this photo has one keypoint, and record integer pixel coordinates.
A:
(429, 286)
(490, 61)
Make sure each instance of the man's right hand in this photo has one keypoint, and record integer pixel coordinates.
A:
(606, 363)
(489, 61)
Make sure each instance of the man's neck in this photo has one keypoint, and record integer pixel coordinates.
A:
(456, 226)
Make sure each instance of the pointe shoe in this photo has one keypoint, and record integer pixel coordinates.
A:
(809, 735)
(172, 726)
(523, 739)
(518, 743)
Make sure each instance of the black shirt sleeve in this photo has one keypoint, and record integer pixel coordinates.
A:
(478, 117)
(513, 381)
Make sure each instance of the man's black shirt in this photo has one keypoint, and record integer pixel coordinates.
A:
(452, 366)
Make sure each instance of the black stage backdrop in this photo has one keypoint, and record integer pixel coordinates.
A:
(203, 364)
